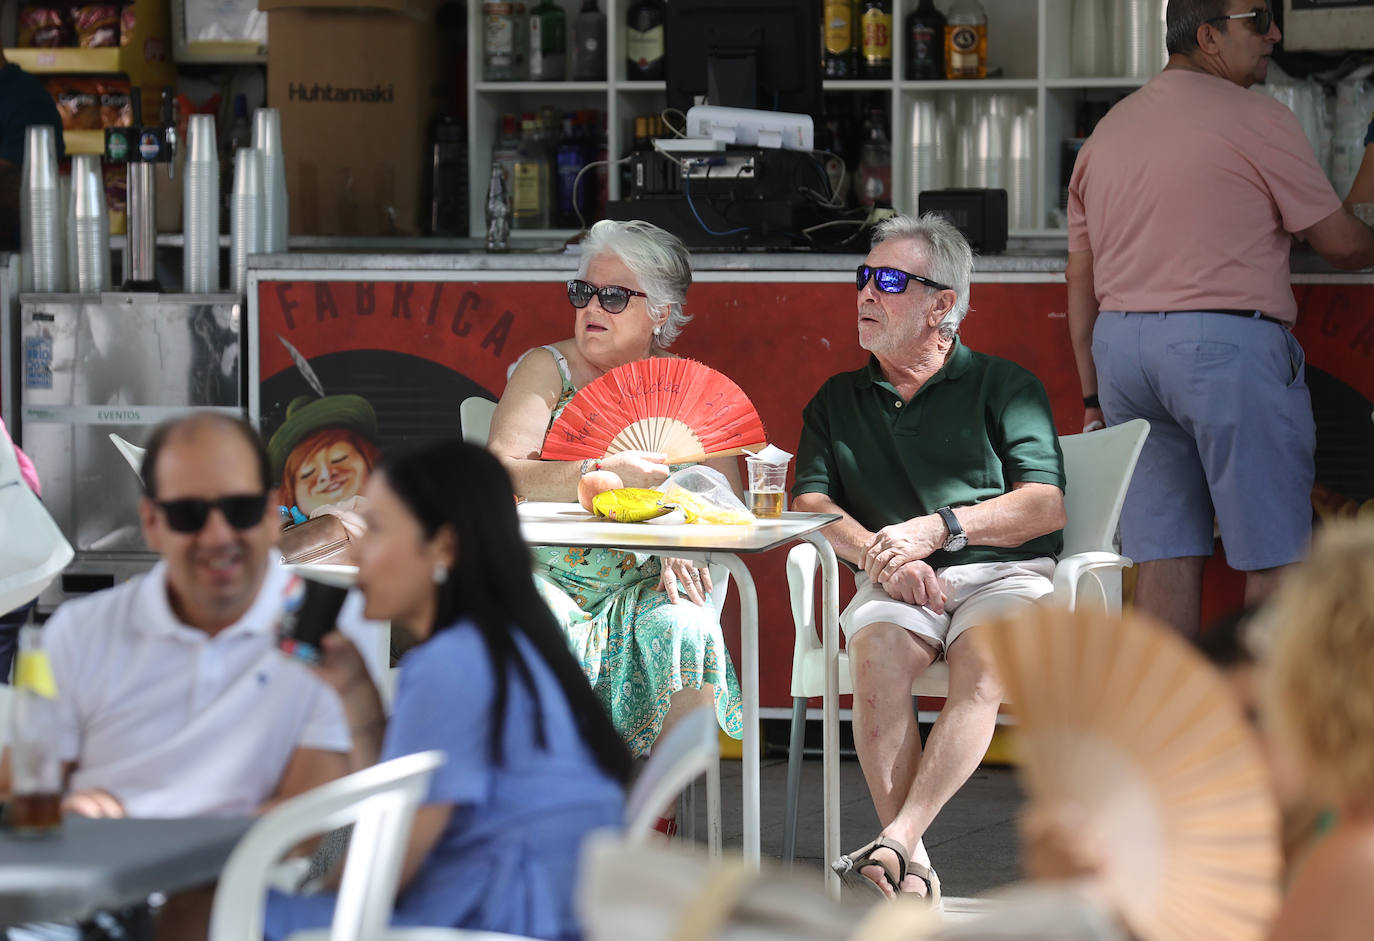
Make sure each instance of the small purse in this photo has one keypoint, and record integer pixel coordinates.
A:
(322, 539)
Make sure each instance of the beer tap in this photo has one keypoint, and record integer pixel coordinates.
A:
(142, 147)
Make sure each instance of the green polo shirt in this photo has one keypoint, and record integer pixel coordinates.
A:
(976, 427)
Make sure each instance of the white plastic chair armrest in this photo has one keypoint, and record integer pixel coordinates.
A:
(802, 563)
(1071, 569)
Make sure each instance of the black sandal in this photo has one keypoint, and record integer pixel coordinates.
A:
(849, 867)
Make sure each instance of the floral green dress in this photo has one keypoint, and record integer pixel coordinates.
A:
(635, 646)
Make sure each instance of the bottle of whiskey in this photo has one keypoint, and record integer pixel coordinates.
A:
(966, 41)
(589, 44)
(840, 38)
(876, 25)
(548, 42)
(644, 41)
(925, 42)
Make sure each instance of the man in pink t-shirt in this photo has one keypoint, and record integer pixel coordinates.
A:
(1182, 208)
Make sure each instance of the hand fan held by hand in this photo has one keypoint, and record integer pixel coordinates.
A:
(1122, 722)
(678, 407)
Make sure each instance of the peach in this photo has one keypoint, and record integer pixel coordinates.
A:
(596, 482)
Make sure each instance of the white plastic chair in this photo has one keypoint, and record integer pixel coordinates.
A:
(475, 417)
(1098, 467)
(33, 550)
(690, 749)
(379, 801)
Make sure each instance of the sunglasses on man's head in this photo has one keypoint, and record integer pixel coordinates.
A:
(614, 298)
(1263, 18)
(241, 511)
(892, 280)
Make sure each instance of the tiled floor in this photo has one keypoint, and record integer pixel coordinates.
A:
(972, 844)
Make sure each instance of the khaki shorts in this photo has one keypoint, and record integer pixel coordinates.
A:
(974, 593)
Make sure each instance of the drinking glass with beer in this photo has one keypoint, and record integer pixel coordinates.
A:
(768, 482)
(35, 805)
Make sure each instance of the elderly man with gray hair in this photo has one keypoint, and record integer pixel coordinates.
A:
(946, 469)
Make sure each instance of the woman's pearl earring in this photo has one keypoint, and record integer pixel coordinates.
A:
(440, 573)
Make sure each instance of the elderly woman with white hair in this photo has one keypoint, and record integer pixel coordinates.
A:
(650, 655)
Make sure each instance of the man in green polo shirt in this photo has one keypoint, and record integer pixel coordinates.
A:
(945, 466)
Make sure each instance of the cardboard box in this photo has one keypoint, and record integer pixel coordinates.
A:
(356, 86)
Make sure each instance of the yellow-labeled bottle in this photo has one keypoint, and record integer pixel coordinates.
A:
(876, 26)
(966, 40)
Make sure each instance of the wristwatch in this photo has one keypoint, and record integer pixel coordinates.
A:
(957, 539)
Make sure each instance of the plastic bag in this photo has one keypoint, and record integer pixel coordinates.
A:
(705, 496)
(629, 504)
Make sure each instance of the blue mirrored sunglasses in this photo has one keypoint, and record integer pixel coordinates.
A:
(892, 280)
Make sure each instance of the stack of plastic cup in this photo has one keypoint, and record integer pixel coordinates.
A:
(1021, 171)
(989, 151)
(963, 173)
(1090, 46)
(267, 140)
(1139, 21)
(200, 207)
(42, 248)
(88, 229)
(927, 157)
(247, 220)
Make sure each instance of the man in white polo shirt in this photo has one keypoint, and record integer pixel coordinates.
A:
(173, 697)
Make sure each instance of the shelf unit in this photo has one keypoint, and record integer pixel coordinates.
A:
(1028, 41)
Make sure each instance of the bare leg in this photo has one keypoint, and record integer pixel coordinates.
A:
(1260, 584)
(1171, 590)
(681, 703)
(958, 741)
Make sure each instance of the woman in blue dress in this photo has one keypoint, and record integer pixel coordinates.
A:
(534, 763)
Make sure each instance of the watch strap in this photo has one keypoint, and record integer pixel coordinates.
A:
(951, 523)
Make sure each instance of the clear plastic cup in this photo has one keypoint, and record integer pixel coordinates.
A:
(767, 488)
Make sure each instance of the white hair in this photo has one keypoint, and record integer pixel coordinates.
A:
(949, 259)
(659, 261)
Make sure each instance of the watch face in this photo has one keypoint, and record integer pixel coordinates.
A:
(955, 543)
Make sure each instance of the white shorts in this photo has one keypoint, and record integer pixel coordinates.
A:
(974, 593)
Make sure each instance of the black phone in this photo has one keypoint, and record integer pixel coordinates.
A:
(312, 608)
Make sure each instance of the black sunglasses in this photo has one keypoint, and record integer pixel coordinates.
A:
(892, 280)
(614, 298)
(1263, 17)
(241, 511)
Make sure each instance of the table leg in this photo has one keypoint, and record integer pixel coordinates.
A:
(830, 706)
(749, 693)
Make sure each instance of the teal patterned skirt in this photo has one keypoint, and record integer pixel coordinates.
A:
(636, 647)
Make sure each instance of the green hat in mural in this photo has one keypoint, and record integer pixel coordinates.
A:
(308, 414)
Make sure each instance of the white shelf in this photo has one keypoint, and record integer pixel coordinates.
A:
(1028, 40)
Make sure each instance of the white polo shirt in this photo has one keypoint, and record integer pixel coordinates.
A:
(172, 721)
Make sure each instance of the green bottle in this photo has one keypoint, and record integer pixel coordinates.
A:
(548, 42)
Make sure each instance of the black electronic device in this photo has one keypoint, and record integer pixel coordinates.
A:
(744, 54)
(310, 612)
(978, 213)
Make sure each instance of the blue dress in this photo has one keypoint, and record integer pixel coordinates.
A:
(508, 859)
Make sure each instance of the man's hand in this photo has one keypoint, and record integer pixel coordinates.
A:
(896, 545)
(93, 803)
(682, 575)
(916, 583)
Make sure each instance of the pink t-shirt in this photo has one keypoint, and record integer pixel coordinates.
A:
(1185, 193)
(26, 468)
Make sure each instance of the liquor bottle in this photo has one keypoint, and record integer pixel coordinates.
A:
(530, 185)
(569, 160)
(876, 27)
(548, 42)
(875, 164)
(966, 40)
(505, 55)
(840, 38)
(644, 41)
(507, 147)
(925, 42)
(498, 210)
(448, 202)
(589, 44)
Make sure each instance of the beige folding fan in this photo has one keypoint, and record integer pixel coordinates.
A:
(1123, 720)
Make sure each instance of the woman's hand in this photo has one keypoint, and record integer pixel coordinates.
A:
(1093, 419)
(349, 512)
(683, 575)
(343, 667)
(637, 468)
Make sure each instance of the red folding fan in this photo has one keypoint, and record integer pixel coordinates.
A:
(677, 407)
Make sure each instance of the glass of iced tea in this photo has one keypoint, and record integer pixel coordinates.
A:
(767, 488)
(35, 804)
